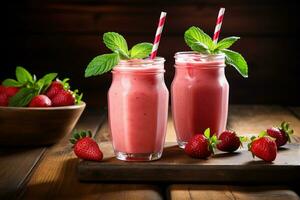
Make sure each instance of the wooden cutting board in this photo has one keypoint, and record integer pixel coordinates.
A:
(175, 166)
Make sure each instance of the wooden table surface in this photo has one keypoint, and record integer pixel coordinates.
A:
(50, 172)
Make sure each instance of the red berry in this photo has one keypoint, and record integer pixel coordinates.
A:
(281, 134)
(54, 89)
(229, 141)
(4, 99)
(264, 148)
(199, 146)
(40, 101)
(2, 89)
(85, 147)
(11, 91)
(63, 98)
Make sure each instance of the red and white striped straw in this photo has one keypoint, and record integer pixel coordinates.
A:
(218, 25)
(159, 30)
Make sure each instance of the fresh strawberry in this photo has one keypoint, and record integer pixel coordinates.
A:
(40, 101)
(2, 89)
(201, 145)
(4, 99)
(281, 133)
(56, 87)
(228, 141)
(63, 98)
(11, 91)
(85, 147)
(263, 147)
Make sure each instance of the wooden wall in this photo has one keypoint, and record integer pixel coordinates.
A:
(62, 36)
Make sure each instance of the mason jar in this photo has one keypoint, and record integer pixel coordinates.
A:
(138, 109)
(199, 95)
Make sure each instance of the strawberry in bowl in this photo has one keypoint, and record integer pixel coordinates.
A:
(32, 114)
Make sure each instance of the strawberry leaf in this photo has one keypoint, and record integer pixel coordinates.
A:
(207, 133)
(262, 134)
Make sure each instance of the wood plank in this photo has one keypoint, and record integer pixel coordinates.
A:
(224, 167)
(253, 119)
(244, 119)
(216, 192)
(55, 178)
(16, 166)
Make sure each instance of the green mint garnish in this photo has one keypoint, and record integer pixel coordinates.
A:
(116, 43)
(199, 41)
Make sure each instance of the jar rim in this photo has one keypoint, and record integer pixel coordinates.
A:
(141, 65)
(194, 54)
(157, 60)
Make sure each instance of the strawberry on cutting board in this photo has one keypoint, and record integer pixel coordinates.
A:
(201, 145)
(228, 141)
(85, 147)
(263, 147)
(282, 134)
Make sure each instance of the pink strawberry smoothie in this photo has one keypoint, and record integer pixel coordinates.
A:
(138, 109)
(199, 95)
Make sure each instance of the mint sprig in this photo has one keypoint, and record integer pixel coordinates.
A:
(116, 43)
(199, 41)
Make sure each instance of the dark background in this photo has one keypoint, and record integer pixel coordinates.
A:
(63, 36)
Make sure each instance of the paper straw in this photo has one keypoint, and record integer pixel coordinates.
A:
(159, 29)
(218, 25)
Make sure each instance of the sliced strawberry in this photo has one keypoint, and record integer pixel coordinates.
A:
(40, 101)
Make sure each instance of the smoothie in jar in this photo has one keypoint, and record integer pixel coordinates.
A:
(138, 109)
(199, 95)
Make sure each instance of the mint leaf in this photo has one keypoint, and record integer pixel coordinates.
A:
(11, 82)
(23, 97)
(195, 34)
(199, 47)
(23, 76)
(46, 81)
(237, 61)
(101, 64)
(226, 43)
(141, 50)
(116, 43)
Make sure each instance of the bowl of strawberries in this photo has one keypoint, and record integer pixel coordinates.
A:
(37, 111)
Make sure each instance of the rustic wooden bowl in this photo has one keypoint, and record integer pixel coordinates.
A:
(37, 126)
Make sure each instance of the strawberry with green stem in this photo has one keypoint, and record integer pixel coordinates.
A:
(263, 147)
(229, 141)
(201, 145)
(282, 134)
(85, 147)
